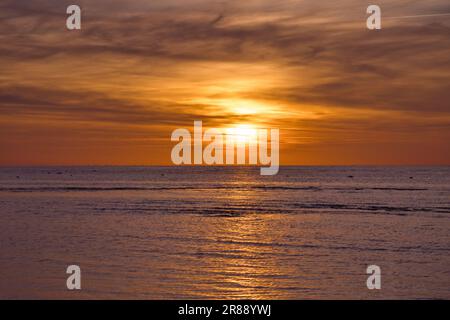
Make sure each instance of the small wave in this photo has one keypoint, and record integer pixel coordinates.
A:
(89, 189)
(199, 187)
(371, 208)
(392, 189)
(287, 188)
(266, 208)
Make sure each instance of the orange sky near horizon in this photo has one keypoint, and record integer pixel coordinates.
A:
(112, 93)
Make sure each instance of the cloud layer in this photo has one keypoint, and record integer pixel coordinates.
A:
(139, 70)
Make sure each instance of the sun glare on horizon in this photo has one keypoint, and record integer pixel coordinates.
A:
(243, 133)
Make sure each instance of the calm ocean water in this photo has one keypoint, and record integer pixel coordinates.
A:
(176, 233)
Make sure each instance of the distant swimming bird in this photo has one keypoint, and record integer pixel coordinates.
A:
(217, 20)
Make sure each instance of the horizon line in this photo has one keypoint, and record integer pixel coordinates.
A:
(217, 166)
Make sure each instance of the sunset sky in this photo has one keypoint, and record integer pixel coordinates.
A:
(112, 93)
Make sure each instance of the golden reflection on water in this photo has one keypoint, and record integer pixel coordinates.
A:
(255, 268)
(245, 267)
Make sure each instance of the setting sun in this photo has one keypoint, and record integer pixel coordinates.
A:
(243, 133)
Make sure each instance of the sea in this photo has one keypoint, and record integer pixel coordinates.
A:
(225, 232)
